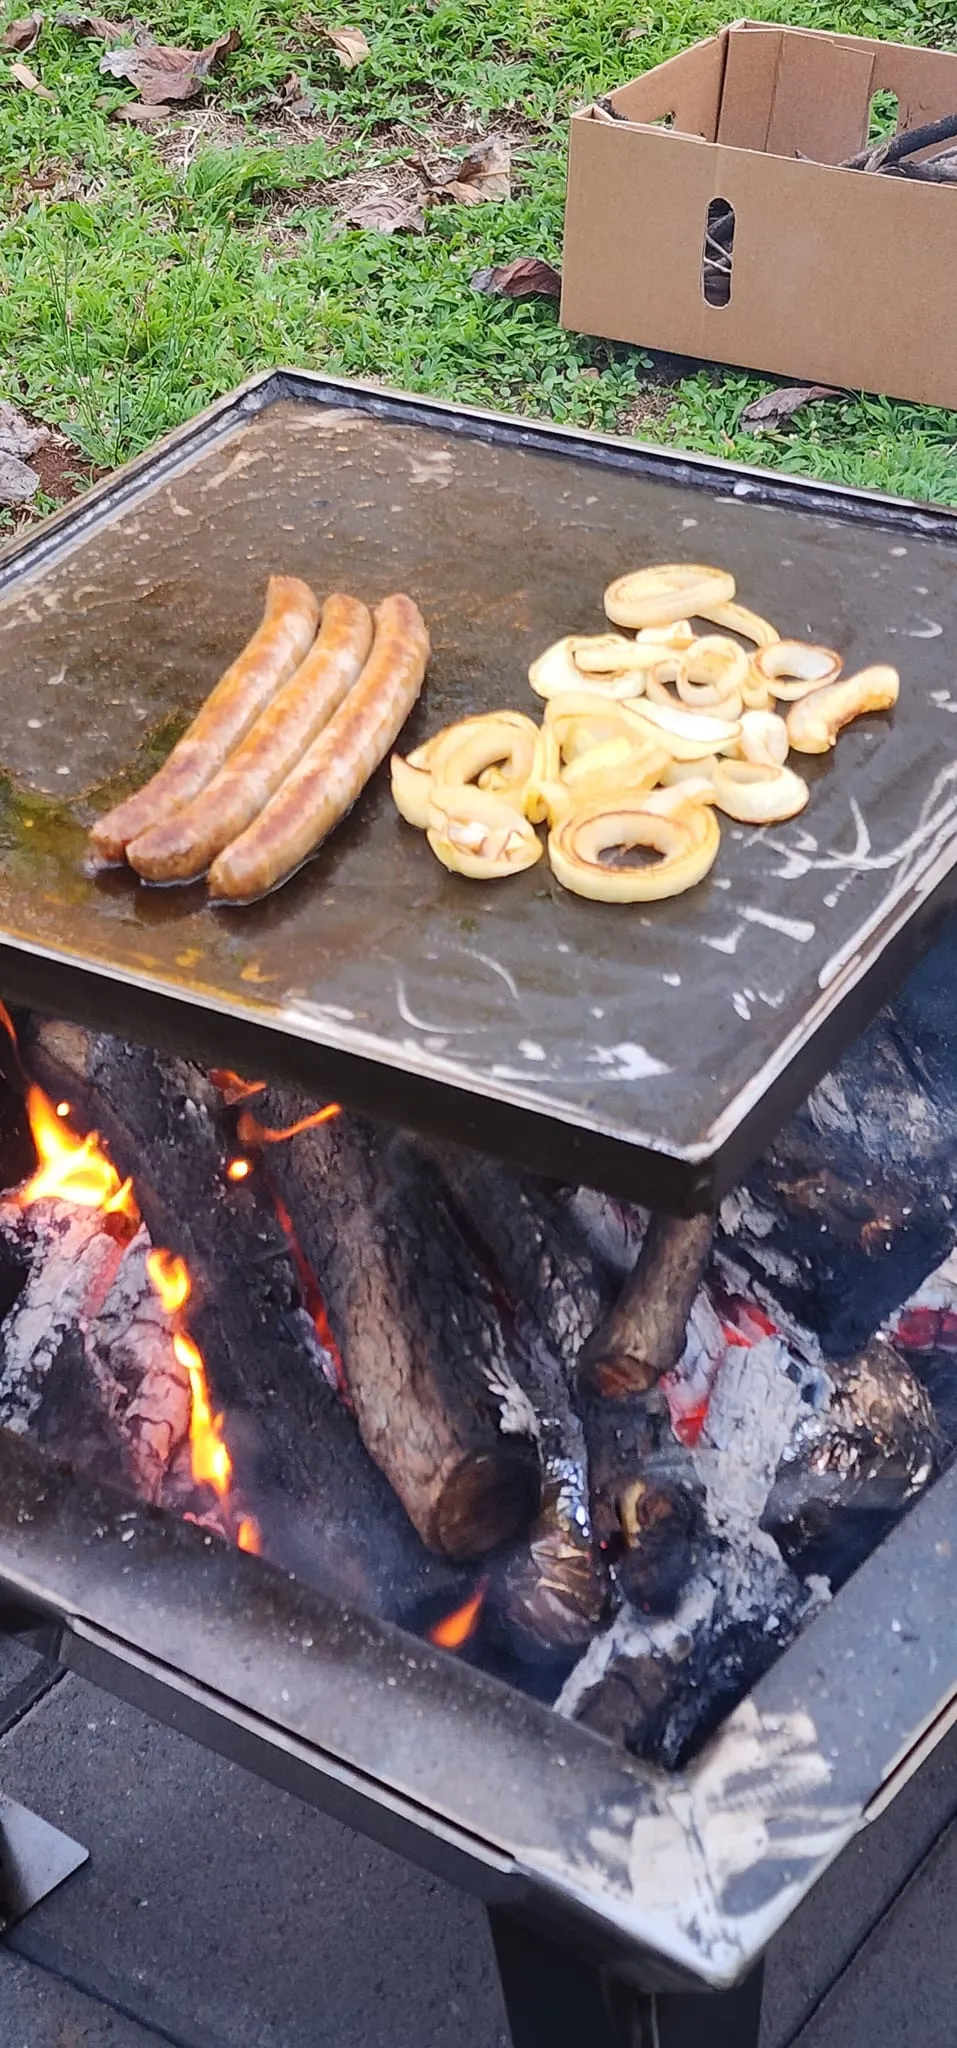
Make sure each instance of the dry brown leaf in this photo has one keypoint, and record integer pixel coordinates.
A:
(780, 405)
(525, 277)
(387, 216)
(350, 46)
(30, 82)
(143, 113)
(483, 173)
(161, 73)
(22, 35)
(95, 25)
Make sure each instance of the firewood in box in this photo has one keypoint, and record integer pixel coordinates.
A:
(323, 1509)
(424, 1354)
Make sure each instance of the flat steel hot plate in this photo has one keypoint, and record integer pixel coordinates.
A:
(648, 1050)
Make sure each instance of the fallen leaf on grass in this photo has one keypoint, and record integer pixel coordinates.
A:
(350, 46)
(142, 113)
(22, 35)
(387, 216)
(30, 82)
(525, 277)
(95, 25)
(161, 74)
(777, 406)
(483, 173)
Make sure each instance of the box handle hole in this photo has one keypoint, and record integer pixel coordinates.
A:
(718, 257)
(884, 117)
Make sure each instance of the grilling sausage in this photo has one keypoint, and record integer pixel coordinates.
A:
(326, 782)
(266, 662)
(183, 845)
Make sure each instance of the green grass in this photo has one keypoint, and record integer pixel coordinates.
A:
(127, 306)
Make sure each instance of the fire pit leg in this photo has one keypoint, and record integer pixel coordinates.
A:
(555, 1997)
(34, 1859)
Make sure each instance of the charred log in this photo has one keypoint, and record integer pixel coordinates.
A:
(643, 1494)
(855, 1203)
(853, 1465)
(644, 1335)
(423, 1350)
(553, 1588)
(323, 1509)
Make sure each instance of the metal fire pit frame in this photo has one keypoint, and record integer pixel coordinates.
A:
(378, 1024)
(671, 1882)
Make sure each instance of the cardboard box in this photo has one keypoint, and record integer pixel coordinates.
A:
(837, 277)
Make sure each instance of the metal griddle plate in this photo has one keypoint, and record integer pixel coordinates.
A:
(651, 1050)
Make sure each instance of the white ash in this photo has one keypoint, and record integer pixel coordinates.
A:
(72, 1266)
(144, 1387)
(754, 1405)
(635, 1635)
(516, 1416)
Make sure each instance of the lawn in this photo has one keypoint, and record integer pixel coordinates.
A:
(142, 272)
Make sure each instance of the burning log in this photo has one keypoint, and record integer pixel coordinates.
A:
(552, 1590)
(853, 1464)
(424, 1355)
(296, 1458)
(644, 1335)
(643, 1496)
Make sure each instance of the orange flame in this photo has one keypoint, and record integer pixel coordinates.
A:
(211, 1462)
(232, 1087)
(253, 1133)
(76, 1169)
(239, 1169)
(248, 1536)
(455, 1629)
(169, 1278)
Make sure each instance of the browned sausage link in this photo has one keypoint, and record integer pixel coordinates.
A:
(182, 846)
(268, 660)
(337, 766)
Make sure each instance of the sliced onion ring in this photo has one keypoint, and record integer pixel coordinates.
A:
(711, 671)
(758, 795)
(557, 670)
(687, 849)
(688, 735)
(662, 595)
(495, 749)
(738, 619)
(474, 832)
(411, 790)
(793, 668)
(764, 739)
(813, 725)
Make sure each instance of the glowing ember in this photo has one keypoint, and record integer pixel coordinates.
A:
(312, 1296)
(75, 1169)
(63, 1109)
(248, 1537)
(239, 1169)
(456, 1629)
(232, 1087)
(253, 1133)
